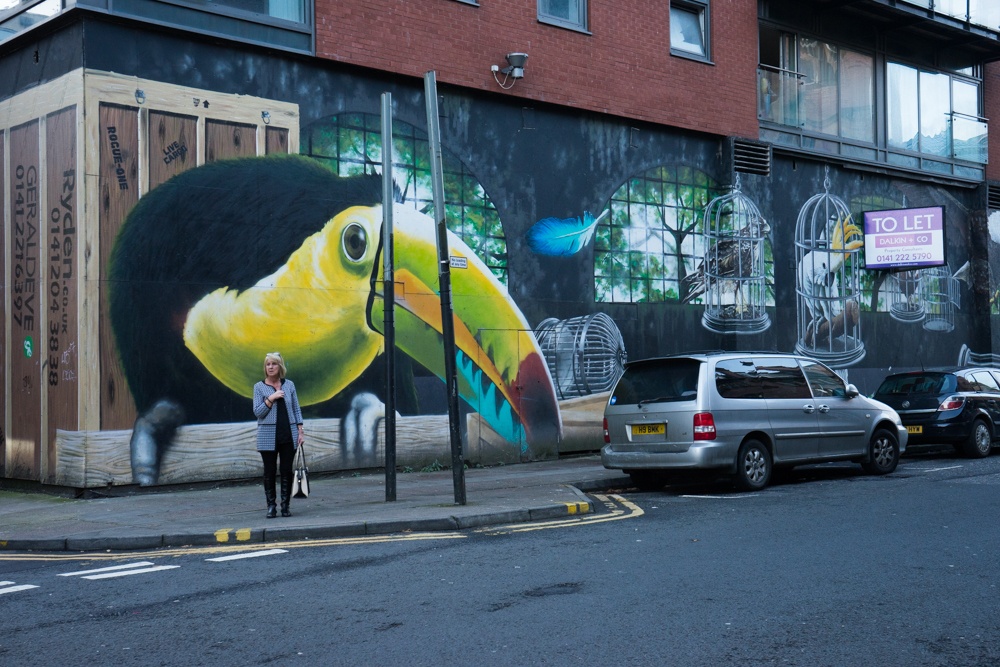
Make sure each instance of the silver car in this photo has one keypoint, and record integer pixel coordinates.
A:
(743, 413)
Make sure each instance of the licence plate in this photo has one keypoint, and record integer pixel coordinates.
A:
(649, 429)
(915, 429)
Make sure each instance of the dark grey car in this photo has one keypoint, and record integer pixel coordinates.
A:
(742, 413)
(955, 406)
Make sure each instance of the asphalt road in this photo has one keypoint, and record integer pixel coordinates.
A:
(826, 567)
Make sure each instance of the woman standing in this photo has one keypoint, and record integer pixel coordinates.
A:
(279, 429)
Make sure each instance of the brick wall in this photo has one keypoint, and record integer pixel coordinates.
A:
(991, 110)
(623, 67)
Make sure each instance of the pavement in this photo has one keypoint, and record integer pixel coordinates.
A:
(337, 506)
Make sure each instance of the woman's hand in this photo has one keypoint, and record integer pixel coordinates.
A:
(276, 395)
(302, 434)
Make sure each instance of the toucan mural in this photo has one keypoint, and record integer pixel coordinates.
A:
(226, 262)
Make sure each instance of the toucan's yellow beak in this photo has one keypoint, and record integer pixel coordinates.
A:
(501, 371)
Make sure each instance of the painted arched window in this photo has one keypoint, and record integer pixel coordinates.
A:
(351, 143)
(646, 240)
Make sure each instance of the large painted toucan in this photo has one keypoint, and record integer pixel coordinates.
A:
(226, 262)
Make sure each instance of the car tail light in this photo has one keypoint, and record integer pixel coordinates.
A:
(952, 403)
(607, 436)
(704, 426)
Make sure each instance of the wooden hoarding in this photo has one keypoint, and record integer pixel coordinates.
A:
(173, 145)
(226, 139)
(23, 455)
(118, 181)
(61, 280)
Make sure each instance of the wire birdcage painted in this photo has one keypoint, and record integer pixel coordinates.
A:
(733, 271)
(941, 296)
(966, 357)
(904, 292)
(585, 355)
(828, 282)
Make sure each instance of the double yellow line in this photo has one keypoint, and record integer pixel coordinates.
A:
(616, 508)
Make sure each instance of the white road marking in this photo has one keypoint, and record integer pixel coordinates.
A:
(143, 567)
(108, 575)
(106, 569)
(936, 469)
(14, 589)
(252, 554)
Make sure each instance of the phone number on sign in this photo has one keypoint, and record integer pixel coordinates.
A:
(902, 257)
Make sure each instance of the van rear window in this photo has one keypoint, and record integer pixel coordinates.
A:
(658, 381)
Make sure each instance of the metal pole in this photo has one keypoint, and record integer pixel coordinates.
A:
(389, 299)
(444, 278)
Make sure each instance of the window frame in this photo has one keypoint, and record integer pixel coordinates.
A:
(560, 22)
(701, 9)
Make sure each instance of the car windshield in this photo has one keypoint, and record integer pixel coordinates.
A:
(658, 381)
(918, 383)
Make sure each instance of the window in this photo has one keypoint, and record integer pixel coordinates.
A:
(934, 113)
(689, 28)
(352, 144)
(658, 381)
(737, 378)
(824, 381)
(565, 13)
(821, 87)
(781, 378)
(654, 220)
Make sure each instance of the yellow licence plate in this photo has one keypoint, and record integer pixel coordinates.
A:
(915, 429)
(649, 429)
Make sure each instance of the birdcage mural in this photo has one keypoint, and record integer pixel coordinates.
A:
(733, 268)
(966, 357)
(904, 295)
(828, 281)
(941, 296)
(585, 355)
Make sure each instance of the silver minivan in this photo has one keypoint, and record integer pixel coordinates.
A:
(743, 413)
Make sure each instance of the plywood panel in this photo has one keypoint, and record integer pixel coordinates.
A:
(27, 344)
(224, 140)
(62, 368)
(173, 145)
(276, 140)
(118, 183)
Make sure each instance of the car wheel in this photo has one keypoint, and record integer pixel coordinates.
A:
(647, 480)
(753, 466)
(980, 440)
(883, 453)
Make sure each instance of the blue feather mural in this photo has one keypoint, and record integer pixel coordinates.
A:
(561, 237)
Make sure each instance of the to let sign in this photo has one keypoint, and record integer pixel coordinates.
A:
(904, 238)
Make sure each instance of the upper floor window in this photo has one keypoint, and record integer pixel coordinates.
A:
(566, 13)
(821, 87)
(981, 12)
(934, 113)
(689, 28)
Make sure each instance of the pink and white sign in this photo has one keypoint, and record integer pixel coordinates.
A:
(904, 238)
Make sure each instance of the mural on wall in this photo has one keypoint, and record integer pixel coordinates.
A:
(582, 239)
(234, 259)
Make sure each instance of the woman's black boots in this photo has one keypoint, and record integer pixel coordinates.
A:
(286, 494)
(272, 510)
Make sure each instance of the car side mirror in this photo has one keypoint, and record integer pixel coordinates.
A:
(852, 391)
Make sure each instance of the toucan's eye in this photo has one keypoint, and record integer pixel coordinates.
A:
(355, 242)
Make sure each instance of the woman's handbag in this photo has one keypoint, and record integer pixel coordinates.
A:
(300, 477)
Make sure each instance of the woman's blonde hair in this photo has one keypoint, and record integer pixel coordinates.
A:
(275, 356)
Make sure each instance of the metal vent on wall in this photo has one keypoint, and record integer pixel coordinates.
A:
(993, 196)
(751, 157)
